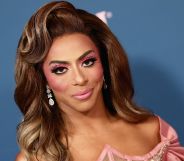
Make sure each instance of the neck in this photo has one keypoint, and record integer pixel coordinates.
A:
(96, 119)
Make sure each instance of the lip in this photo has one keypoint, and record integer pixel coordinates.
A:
(82, 95)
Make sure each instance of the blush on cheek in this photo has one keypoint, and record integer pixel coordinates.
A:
(56, 84)
(97, 73)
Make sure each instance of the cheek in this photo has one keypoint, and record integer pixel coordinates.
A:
(97, 73)
(56, 83)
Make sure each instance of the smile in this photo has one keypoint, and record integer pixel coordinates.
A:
(83, 95)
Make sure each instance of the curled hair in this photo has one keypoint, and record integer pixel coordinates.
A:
(49, 22)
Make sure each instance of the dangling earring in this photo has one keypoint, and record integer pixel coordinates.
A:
(104, 84)
(49, 95)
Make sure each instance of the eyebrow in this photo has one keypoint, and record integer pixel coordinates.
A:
(66, 62)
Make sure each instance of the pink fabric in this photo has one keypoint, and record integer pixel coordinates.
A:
(168, 149)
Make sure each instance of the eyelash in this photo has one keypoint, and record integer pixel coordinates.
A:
(61, 70)
(92, 60)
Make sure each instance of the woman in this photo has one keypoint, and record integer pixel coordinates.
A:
(74, 88)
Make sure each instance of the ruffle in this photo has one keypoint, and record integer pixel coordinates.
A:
(175, 152)
(169, 148)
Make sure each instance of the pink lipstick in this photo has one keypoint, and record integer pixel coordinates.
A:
(83, 94)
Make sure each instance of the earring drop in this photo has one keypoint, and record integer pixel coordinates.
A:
(49, 95)
(104, 84)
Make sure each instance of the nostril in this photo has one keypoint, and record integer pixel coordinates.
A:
(79, 78)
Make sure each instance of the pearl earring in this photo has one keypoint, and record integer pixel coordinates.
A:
(49, 95)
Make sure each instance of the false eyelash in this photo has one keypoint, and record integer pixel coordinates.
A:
(56, 68)
(89, 57)
(93, 59)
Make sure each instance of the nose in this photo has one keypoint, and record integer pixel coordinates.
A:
(79, 77)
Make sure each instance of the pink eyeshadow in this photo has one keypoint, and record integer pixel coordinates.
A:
(91, 55)
(58, 65)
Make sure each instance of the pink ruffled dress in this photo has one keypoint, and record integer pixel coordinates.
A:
(168, 149)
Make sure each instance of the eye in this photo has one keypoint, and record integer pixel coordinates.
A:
(59, 70)
(89, 62)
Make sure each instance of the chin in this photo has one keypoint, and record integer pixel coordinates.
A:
(84, 107)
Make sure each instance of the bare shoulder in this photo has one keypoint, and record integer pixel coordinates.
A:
(152, 124)
(143, 136)
(151, 128)
(20, 157)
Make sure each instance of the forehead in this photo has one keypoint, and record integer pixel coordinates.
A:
(70, 46)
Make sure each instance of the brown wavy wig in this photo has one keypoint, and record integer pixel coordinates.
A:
(38, 133)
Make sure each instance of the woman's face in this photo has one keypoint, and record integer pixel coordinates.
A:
(74, 72)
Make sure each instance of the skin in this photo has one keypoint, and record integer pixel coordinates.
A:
(69, 69)
(73, 66)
